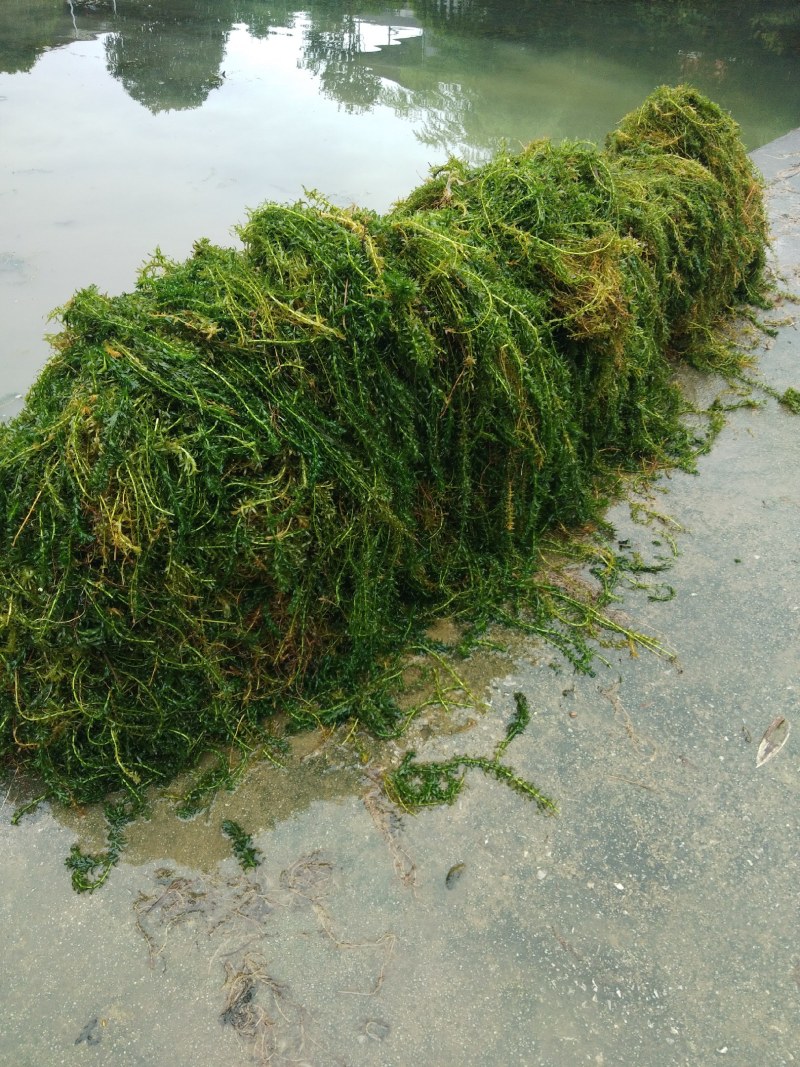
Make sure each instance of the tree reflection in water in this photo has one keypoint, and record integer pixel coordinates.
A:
(417, 59)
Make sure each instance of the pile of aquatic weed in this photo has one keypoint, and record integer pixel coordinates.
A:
(244, 486)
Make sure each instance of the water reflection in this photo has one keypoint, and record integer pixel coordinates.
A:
(335, 48)
(128, 123)
(28, 28)
(166, 63)
(172, 56)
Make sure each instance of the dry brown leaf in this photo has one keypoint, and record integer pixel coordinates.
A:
(773, 740)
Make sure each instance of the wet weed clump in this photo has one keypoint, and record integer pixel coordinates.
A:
(240, 488)
(414, 785)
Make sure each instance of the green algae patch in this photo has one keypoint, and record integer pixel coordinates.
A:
(245, 486)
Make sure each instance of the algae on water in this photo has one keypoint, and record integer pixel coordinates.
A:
(241, 487)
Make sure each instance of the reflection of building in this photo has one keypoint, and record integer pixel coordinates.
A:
(337, 48)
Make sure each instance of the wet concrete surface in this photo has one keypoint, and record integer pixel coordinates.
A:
(652, 921)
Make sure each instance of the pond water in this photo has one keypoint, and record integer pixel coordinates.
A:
(127, 125)
(653, 922)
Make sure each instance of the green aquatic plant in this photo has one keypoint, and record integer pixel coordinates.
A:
(226, 771)
(242, 843)
(91, 870)
(414, 784)
(247, 485)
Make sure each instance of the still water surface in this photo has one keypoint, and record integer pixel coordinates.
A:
(126, 125)
(652, 923)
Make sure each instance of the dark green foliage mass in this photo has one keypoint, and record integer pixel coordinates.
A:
(241, 487)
